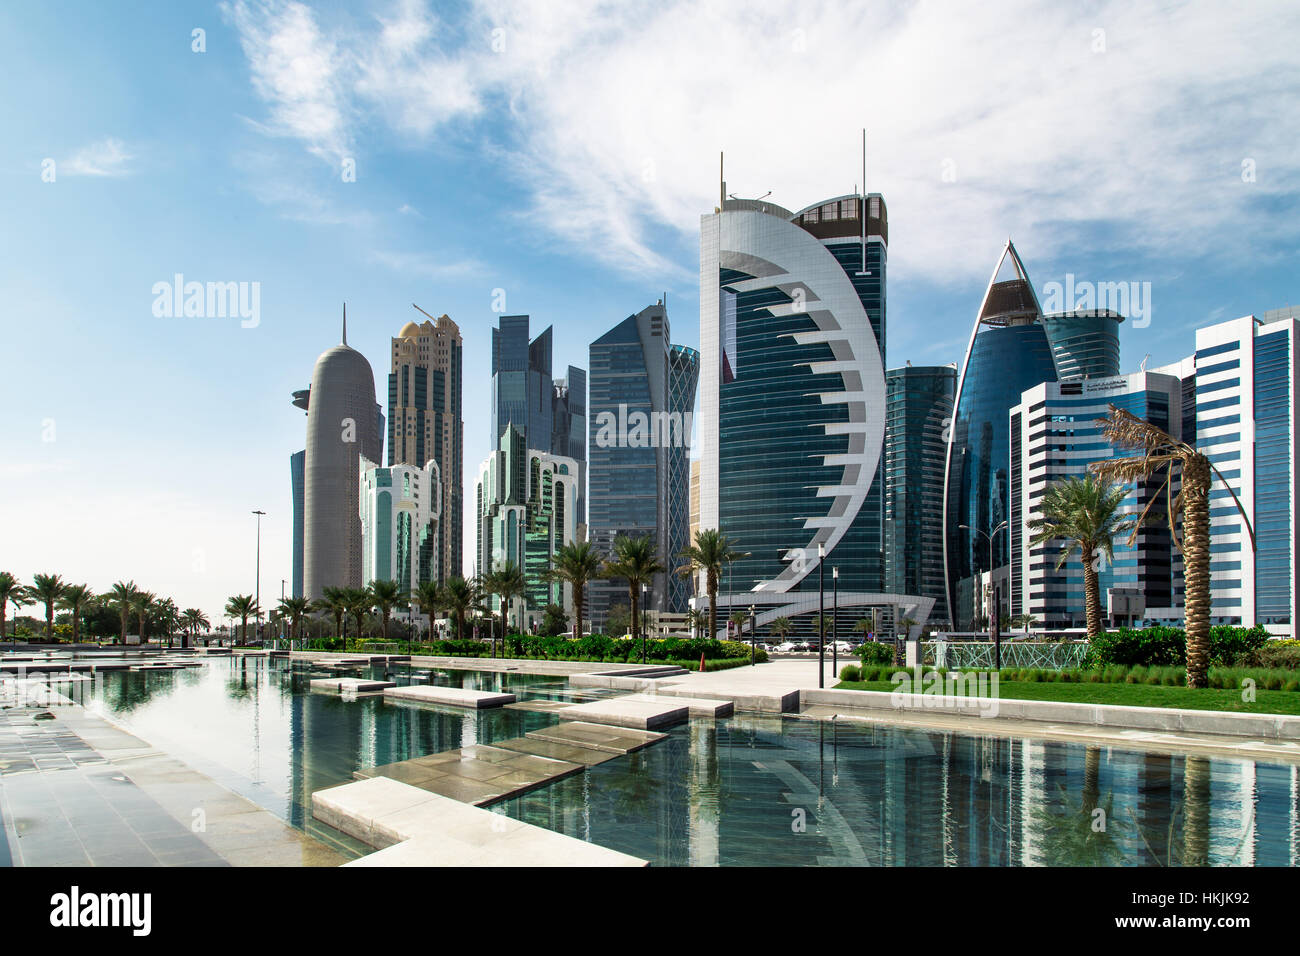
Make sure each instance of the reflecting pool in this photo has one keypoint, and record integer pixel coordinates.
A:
(747, 790)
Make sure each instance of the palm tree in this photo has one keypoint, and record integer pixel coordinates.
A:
(122, 594)
(461, 597)
(333, 601)
(242, 606)
(576, 564)
(11, 592)
(143, 603)
(293, 608)
(1082, 513)
(636, 562)
(359, 603)
(1024, 620)
(74, 598)
(168, 616)
(194, 620)
(781, 626)
(384, 596)
(507, 583)
(429, 598)
(47, 589)
(863, 627)
(1157, 451)
(695, 620)
(708, 554)
(739, 618)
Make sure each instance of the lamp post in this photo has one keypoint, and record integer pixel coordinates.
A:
(821, 614)
(994, 605)
(258, 589)
(753, 637)
(645, 590)
(835, 620)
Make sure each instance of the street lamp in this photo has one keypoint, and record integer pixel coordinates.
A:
(258, 590)
(835, 620)
(645, 590)
(994, 605)
(821, 614)
(753, 637)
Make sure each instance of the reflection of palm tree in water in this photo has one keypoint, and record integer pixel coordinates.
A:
(1078, 835)
(1195, 812)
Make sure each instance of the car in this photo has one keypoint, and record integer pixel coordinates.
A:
(787, 647)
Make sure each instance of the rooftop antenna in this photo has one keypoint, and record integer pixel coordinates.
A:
(1142, 366)
(862, 208)
(345, 323)
(722, 183)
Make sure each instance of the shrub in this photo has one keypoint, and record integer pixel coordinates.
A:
(874, 652)
(850, 673)
(1167, 646)
(1284, 655)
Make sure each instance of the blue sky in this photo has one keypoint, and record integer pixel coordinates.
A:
(562, 152)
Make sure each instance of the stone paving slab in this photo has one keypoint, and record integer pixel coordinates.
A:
(540, 706)
(697, 706)
(571, 753)
(623, 740)
(635, 711)
(417, 828)
(455, 696)
(478, 774)
(349, 685)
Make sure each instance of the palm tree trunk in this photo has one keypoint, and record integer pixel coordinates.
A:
(1091, 778)
(1091, 595)
(577, 608)
(1196, 567)
(711, 584)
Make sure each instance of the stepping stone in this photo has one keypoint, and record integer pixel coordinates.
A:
(641, 714)
(455, 696)
(417, 828)
(597, 737)
(478, 774)
(697, 706)
(540, 706)
(349, 685)
(557, 751)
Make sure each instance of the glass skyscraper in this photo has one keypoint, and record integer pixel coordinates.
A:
(792, 401)
(919, 401)
(1013, 347)
(522, 390)
(642, 395)
(1247, 372)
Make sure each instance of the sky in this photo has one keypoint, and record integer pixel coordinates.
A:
(556, 155)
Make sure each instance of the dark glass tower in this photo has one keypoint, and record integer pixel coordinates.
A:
(1009, 352)
(642, 396)
(919, 402)
(792, 398)
(521, 383)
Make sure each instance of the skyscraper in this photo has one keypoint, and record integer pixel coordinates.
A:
(399, 523)
(522, 390)
(343, 424)
(642, 399)
(426, 423)
(1247, 413)
(792, 401)
(1055, 437)
(525, 502)
(1013, 347)
(569, 429)
(297, 484)
(918, 412)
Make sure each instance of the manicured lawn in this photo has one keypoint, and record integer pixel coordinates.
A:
(1131, 695)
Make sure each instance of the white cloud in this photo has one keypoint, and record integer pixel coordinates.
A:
(108, 157)
(611, 116)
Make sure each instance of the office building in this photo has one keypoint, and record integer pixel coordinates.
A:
(400, 509)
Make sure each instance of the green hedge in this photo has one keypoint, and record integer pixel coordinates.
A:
(1167, 646)
(1230, 678)
(1275, 655)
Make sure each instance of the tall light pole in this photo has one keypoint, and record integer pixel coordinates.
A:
(990, 535)
(753, 637)
(258, 590)
(821, 614)
(835, 620)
